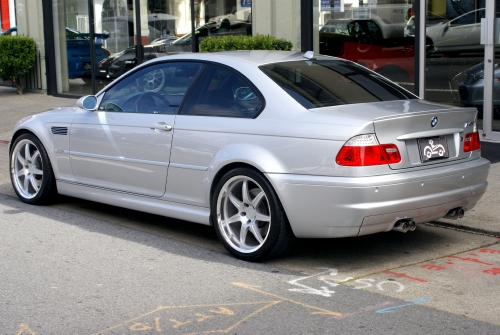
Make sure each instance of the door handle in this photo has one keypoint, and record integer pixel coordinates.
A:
(162, 126)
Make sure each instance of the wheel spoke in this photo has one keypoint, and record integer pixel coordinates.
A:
(27, 155)
(257, 199)
(256, 232)
(34, 184)
(21, 172)
(26, 183)
(20, 158)
(232, 219)
(36, 154)
(262, 217)
(244, 192)
(235, 201)
(243, 235)
(37, 171)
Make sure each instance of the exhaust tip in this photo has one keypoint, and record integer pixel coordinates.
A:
(461, 213)
(412, 226)
(455, 213)
(402, 226)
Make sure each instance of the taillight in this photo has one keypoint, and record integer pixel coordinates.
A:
(364, 150)
(471, 142)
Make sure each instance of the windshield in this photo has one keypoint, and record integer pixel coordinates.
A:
(326, 83)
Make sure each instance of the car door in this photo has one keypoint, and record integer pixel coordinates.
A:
(220, 105)
(124, 145)
(462, 33)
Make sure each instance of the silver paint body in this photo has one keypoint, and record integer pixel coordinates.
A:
(125, 159)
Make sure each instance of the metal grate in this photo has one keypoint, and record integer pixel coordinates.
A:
(59, 130)
(33, 79)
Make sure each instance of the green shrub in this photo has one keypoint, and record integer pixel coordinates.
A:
(17, 56)
(242, 42)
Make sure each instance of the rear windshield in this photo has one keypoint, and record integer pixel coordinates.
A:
(324, 83)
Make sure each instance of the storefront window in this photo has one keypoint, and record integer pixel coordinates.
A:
(368, 32)
(165, 28)
(455, 55)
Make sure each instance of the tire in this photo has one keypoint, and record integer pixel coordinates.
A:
(31, 173)
(266, 232)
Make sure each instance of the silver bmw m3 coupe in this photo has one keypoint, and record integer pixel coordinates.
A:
(266, 146)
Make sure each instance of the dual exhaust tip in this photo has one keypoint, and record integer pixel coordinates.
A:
(456, 213)
(405, 225)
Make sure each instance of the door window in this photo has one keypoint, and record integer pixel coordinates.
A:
(221, 92)
(156, 89)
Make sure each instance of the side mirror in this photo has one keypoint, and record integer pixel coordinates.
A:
(88, 102)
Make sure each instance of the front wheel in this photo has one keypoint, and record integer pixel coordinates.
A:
(249, 218)
(30, 171)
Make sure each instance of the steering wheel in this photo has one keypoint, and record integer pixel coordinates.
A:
(244, 93)
(151, 95)
(152, 81)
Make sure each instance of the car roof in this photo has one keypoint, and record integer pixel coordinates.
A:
(255, 57)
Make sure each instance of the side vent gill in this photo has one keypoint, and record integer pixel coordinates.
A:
(59, 130)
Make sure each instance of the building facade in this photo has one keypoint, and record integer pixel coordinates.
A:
(443, 50)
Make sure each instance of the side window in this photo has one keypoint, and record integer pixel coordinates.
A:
(219, 91)
(156, 89)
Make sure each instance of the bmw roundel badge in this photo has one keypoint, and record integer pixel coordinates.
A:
(434, 121)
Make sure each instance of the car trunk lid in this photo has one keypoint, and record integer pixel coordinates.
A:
(409, 125)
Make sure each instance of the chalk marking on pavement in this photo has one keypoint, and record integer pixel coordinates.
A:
(324, 291)
(221, 311)
(257, 289)
(410, 302)
(4, 142)
(24, 329)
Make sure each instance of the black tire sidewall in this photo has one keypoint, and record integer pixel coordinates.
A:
(274, 206)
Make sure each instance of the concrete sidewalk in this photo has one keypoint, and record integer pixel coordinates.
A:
(484, 218)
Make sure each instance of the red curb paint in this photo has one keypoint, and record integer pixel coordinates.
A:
(4, 142)
(402, 275)
(490, 251)
(475, 260)
(432, 267)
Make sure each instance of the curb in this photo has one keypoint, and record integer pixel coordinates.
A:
(464, 228)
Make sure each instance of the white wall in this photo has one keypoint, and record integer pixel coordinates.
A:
(278, 18)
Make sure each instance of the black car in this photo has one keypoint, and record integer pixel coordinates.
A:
(119, 63)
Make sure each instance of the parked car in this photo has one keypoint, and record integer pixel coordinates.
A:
(453, 37)
(266, 146)
(119, 63)
(78, 52)
(471, 88)
(232, 18)
(184, 44)
(10, 31)
(363, 41)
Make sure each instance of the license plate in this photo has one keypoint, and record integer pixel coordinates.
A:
(433, 148)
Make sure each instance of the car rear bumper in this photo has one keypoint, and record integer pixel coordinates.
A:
(325, 207)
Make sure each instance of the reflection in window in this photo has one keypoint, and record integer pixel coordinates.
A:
(330, 83)
(157, 89)
(220, 92)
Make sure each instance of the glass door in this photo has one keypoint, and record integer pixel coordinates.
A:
(490, 38)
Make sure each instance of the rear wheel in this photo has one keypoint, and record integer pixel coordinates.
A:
(249, 218)
(31, 172)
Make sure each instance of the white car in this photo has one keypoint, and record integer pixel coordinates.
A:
(231, 19)
(462, 34)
